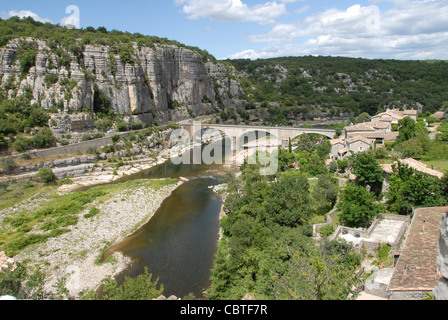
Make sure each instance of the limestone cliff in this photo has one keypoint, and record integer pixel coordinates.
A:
(441, 290)
(160, 84)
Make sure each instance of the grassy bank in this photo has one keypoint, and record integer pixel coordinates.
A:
(34, 212)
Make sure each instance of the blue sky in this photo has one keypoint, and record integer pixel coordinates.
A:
(399, 29)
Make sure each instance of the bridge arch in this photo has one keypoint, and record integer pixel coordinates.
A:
(252, 135)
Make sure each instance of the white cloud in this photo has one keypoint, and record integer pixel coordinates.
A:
(408, 30)
(233, 10)
(24, 14)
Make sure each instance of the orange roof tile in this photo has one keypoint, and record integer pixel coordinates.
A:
(417, 268)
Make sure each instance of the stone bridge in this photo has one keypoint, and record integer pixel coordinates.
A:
(237, 133)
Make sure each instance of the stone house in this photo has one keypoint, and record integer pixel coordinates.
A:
(340, 148)
(358, 144)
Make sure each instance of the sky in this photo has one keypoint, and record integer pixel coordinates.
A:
(372, 29)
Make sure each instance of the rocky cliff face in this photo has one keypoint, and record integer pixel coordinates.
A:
(161, 84)
(441, 290)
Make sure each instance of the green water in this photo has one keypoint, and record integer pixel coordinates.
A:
(179, 243)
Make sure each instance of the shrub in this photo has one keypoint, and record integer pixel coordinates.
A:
(326, 230)
(51, 79)
(46, 175)
(22, 144)
(115, 138)
(44, 139)
(8, 164)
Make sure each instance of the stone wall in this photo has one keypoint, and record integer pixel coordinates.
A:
(441, 290)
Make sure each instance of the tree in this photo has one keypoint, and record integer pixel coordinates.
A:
(324, 272)
(8, 164)
(367, 169)
(357, 206)
(139, 288)
(288, 201)
(306, 143)
(431, 120)
(410, 188)
(324, 149)
(407, 129)
(23, 283)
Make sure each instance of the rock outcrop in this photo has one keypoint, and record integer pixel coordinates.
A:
(162, 83)
(441, 290)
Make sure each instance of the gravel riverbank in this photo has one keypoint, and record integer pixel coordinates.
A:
(74, 256)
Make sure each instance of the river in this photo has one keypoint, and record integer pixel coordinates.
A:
(179, 243)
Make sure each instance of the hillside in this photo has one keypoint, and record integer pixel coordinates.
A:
(79, 80)
(87, 80)
(304, 87)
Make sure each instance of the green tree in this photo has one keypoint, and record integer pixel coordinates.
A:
(306, 143)
(139, 288)
(357, 206)
(407, 129)
(22, 144)
(318, 273)
(367, 169)
(288, 201)
(410, 188)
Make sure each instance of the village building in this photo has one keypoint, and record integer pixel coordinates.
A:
(377, 132)
(438, 115)
(414, 164)
(358, 144)
(416, 272)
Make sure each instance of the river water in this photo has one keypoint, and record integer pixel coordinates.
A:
(179, 243)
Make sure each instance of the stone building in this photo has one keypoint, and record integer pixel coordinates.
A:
(416, 273)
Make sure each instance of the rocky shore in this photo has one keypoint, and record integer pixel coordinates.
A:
(75, 257)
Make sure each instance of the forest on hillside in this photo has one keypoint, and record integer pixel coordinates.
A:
(337, 84)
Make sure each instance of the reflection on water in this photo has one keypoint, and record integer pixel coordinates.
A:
(178, 244)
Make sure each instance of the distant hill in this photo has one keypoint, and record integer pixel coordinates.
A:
(337, 84)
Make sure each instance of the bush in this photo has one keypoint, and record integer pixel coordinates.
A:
(51, 79)
(44, 139)
(115, 138)
(22, 144)
(46, 175)
(327, 230)
(8, 164)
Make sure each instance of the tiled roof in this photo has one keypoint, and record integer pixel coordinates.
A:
(337, 141)
(438, 115)
(417, 165)
(359, 138)
(417, 269)
(410, 112)
(366, 126)
(380, 125)
(391, 136)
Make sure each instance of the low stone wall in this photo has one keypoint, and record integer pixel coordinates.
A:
(86, 147)
(372, 246)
